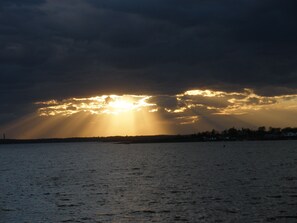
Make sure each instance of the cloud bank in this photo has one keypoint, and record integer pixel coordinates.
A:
(188, 112)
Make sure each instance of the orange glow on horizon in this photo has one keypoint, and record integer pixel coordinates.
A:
(106, 115)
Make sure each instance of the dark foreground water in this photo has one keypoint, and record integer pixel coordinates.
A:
(192, 182)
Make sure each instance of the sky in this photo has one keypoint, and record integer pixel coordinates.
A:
(113, 67)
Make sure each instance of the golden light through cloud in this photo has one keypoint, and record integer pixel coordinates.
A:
(188, 112)
(106, 104)
(205, 93)
(104, 115)
(245, 108)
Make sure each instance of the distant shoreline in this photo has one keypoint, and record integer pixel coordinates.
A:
(232, 134)
(137, 139)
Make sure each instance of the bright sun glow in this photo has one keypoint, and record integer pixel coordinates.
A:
(121, 105)
(118, 104)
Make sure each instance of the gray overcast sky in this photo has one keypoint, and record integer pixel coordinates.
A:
(55, 49)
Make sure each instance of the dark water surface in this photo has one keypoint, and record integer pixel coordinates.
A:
(185, 182)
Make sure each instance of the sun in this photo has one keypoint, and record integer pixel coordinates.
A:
(117, 105)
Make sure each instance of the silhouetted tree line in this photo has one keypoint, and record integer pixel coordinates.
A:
(248, 134)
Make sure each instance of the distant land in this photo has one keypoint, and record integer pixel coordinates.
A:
(231, 134)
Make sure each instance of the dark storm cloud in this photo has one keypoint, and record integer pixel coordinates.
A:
(56, 49)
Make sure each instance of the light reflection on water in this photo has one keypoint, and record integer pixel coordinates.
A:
(186, 182)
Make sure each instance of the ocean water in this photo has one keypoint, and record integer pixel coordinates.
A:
(182, 182)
